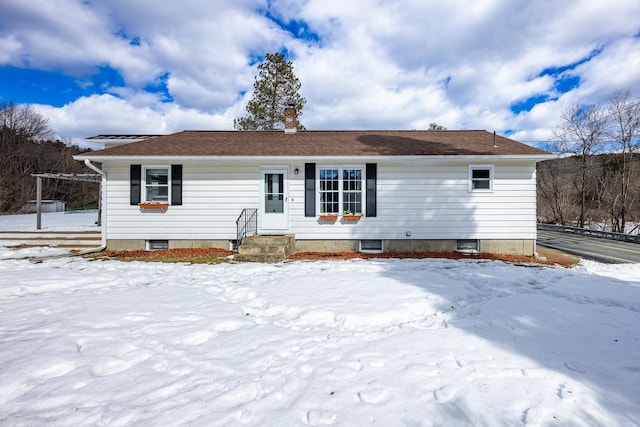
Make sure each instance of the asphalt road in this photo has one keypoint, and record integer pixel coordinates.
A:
(595, 248)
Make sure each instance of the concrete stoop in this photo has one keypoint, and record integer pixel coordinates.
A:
(265, 248)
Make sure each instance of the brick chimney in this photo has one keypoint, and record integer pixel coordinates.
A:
(290, 119)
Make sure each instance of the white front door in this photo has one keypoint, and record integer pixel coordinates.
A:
(274, 198)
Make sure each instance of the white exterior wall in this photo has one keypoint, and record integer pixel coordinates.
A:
(427, 198)
(433, 202)
(212, 199)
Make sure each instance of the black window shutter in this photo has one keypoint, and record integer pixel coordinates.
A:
(372, 178)
(135, 172)
(176, 185)
(309, 189)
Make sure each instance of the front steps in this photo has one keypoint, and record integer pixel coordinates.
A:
(265, 248)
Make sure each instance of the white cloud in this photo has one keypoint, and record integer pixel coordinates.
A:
(106, 114)
(378, 64)
(9, 46)
(617, 67)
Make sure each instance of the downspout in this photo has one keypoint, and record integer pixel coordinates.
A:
(103, 199)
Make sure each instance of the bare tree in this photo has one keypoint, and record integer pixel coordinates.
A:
(624, 117)
(26, 147)
(556, 203)
(23, 122)
(582, 131)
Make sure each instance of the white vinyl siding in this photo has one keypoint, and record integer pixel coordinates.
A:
(213, 198)
(432, 201)
(429, 198)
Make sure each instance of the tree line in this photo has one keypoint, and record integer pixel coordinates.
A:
(596, 183)
(27, 147)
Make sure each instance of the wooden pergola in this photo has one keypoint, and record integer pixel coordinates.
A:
(86, 177)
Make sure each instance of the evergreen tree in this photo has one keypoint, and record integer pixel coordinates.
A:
(275, 87)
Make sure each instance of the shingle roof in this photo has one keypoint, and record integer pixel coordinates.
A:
(322, 143)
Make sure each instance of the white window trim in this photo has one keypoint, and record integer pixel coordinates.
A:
(491, 178)
(143, 189)
(340, 168)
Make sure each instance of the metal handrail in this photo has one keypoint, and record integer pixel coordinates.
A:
(596, 233)
(246, 225)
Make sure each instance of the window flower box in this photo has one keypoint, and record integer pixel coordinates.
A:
(351, 217)
(153, 205)
(348, 215)
(328, 217)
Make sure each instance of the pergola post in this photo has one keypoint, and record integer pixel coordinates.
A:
(38, 203)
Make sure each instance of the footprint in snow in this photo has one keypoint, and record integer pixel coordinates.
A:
(374, 396)
(347, 371)
(54, 370)
(575, 367)
(185, 318)
(137, 317)
(444, 394)
(315, 418)
(198, 338)
(115, 366)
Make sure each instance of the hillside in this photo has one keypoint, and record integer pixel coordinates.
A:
(607, 202)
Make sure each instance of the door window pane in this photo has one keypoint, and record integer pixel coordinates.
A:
(273, 193)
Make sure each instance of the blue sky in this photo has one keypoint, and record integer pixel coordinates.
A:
(139, 66)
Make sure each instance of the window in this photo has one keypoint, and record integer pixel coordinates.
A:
(329, 191)
(371, 246)
(156, 184)
(156, 245)
(467, 245)
(161, 184)
(340, 190)
(352, 190)
(481, 178)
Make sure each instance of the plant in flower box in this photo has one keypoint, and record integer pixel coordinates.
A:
(348, 215)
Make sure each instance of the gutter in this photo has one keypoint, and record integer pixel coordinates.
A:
(93, 167)
(311, 158)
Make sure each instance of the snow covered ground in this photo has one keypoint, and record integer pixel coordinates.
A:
(51, 221)
(351, 343)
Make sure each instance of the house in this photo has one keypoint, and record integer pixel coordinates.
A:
(389, 191)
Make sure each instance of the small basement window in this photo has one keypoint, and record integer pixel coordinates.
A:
(156, 245)
(468, 246)
(371, 246)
